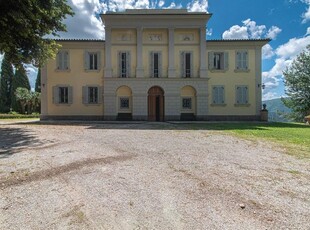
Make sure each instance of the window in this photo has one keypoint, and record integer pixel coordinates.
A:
(124, 64)
(62, 60)
(92, 61)
(155, 64)
(62, 95)
(124, 103)
(91, 95)
(186, 64)
(218, 96)
(218, 60)
(187, 103)
(242, 95)
(241, 60)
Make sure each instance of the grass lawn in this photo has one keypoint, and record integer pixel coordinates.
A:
(294, 137)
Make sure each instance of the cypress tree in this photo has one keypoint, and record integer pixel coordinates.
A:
(38, 82)
(6, 79)
(20, 79)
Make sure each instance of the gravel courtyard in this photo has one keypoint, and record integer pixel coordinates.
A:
(146, 176)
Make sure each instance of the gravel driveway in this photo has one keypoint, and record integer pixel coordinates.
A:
(146, 176)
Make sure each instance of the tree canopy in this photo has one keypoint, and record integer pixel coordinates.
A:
(23, 25)
(297, 82)
(6, 79)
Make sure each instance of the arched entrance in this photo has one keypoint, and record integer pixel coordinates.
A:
(156, 104)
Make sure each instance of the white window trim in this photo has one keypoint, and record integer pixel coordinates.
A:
(151, 64)
(128, 64)
(183, 64)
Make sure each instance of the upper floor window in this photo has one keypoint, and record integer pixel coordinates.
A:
(91, 95)
(124, 64)
(218, 97)
(242, 60)
(62, 94)
(155, 64)
(187, 64)
(242, 95)
(62, 60)
(218, 60)
(92, 60)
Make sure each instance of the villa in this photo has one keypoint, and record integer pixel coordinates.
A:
(154, 65)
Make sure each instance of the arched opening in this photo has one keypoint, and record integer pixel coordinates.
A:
(188, 103)
(124, 103)
(156, 104)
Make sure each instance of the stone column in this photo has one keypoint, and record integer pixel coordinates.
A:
(171, 68)
(108, 55)
(139, 69)
(203, 53)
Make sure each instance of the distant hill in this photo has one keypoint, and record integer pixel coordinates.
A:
(277, 110)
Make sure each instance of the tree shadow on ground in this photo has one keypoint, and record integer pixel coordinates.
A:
(14, 139)
(144, 125)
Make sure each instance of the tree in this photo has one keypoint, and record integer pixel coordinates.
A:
(297, 82)
(24, 25)
(22, 96)
(20, 79)
(6, 84)
(37, 87)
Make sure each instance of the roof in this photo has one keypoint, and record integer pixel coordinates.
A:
(155, 12)
(240, 40)
(77, 40)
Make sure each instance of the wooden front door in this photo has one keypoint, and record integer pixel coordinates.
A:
(156, 104)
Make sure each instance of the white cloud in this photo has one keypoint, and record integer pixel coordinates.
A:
(267, 51)
(306, 16)
(236, 32)
(198, 6)
(250, 30)
(308, 31)
(273, 32)
(293, 47)
(285, 54)
(161, 3)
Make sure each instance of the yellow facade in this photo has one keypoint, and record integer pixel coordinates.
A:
(207, 80)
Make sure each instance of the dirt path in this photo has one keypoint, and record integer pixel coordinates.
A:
(146, 176)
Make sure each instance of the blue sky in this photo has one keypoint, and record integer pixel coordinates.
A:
(287, 22)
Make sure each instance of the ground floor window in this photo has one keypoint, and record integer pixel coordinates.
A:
(124, 103)
(242, 95)
(187, 103)
(62, 94)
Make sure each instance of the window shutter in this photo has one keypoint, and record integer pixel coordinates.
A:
(55, 95)
(192, 64)
(221, 95)
(238, 58)
(59, 60)
(100, 94)
(98, 60)
(70, 95)
(160, 66)
(214, 93)
(65, 60)
(225, 60)
(86, 60)
(182, 64)
(239, 95)
(151, 67)
(211, 60)
(85, 94)
(246, 59)
(246, 100)
(128, 64)
(119, 64)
